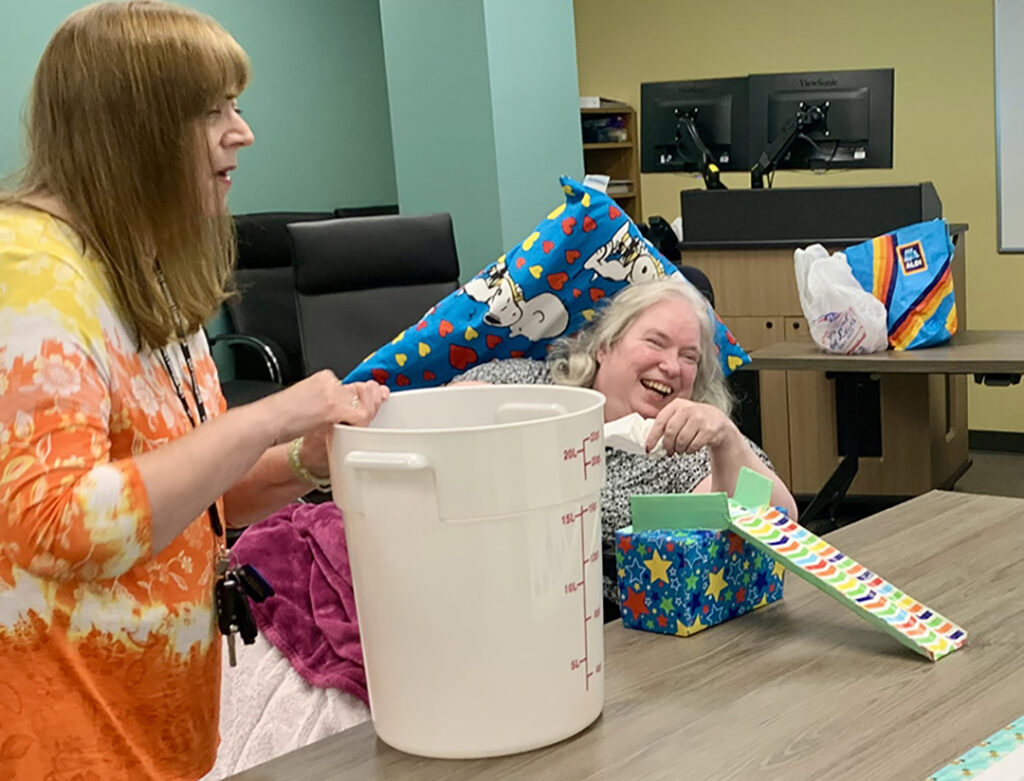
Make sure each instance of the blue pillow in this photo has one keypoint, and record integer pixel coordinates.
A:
(545, 287)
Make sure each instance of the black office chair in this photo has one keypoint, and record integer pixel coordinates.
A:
(263, 329)
(367, 211)
(360, 281)
(660, 234)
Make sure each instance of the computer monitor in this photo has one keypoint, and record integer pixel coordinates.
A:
(716, 109)
(845, 117)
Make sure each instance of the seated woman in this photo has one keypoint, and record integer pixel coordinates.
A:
(651, 351)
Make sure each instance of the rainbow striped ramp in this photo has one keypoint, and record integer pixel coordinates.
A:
(871, 597)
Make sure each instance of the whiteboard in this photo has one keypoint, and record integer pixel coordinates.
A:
(1009, 22)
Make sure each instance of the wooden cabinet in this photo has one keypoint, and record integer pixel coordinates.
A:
(617, 159)
(923, 418)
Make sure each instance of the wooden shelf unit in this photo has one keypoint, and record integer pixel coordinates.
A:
(617, 159)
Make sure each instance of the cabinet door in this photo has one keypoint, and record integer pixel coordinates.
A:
(749, 282)
(947, 398)
(812, 426)
(753, 333)
(903, 469)
(796, 329)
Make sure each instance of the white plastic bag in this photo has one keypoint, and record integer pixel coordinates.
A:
(842, 316)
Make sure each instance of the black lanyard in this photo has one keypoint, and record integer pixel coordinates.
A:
(215, 523)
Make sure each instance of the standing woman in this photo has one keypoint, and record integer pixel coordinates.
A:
(118, 464)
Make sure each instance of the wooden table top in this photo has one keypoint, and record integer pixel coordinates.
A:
(800, 689)
(970, 352)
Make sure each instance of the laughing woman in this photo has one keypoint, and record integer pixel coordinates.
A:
(119, 465)
(651, 351)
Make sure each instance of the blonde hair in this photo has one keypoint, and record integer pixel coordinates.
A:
(115, 133)
(574, 359)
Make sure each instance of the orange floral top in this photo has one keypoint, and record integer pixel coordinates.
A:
(109, 656)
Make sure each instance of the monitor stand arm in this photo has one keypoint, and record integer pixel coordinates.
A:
(806, 118)
(708, 169)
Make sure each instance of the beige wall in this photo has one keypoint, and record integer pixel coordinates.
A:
(944, 114)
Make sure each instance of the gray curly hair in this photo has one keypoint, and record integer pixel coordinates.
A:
(573, 360)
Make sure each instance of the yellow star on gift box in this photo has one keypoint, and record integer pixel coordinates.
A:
(685, 631)
(658, 567)
(778, 569)
(716, 582)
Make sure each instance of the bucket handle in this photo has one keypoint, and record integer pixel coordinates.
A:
(515, 412)
(388, 462)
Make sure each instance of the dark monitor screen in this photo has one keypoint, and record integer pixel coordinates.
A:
(718, 109)
(856, 131)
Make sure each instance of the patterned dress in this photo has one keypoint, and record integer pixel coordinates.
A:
(109, 659)
(626, 474)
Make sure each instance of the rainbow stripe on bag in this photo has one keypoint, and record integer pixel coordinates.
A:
(906, 328)
(883, 251)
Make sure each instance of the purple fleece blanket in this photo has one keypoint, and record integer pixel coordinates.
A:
(311, 619)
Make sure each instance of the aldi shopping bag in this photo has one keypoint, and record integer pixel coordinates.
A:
(909, 270)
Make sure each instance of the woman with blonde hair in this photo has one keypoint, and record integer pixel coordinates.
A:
(119, 466)
(651, 351)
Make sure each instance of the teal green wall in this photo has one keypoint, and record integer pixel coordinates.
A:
(317, 102)
(484, 109)
(439, 90)
(535, 105)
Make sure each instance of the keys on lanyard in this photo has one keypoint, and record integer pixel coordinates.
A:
(234, 588)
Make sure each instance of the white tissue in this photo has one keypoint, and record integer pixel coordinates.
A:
(677, 226)
(630, 433)
(597, 182)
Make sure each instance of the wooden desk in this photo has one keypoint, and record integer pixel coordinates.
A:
(886, 423)
(800, 689)
(970, 352)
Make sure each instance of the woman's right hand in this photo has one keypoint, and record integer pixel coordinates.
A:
(318, 401)
(686, 426)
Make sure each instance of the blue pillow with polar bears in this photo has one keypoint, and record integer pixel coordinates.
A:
(545, 287)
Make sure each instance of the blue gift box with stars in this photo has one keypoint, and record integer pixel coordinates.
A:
(679, 582)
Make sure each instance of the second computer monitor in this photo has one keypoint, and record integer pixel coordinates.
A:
(717, 109)
(856, 131)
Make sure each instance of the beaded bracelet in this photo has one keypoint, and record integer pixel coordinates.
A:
(300, 471)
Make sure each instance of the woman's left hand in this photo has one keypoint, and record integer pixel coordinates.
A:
(686, 426)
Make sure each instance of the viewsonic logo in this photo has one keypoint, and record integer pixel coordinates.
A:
(818, 83)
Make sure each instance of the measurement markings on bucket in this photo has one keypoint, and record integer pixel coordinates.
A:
(588, 461)
(586, 560)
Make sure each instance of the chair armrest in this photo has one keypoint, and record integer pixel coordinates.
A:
(270, 358)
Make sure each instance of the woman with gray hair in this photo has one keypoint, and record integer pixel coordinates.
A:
(651, 351)
(576, 359)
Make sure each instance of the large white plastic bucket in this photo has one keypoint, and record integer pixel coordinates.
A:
(473, 526)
